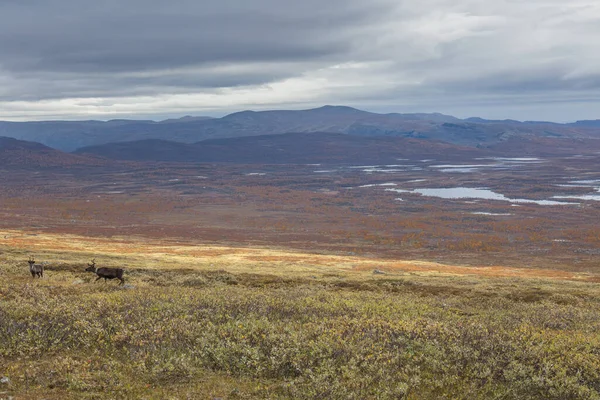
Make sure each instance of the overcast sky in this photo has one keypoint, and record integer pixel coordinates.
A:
(80, 59)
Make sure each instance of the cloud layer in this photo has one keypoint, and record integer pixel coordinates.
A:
(535, 59)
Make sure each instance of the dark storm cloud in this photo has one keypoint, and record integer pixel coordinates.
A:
(108, 47)
(79, 36)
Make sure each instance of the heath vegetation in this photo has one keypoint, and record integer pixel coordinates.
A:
(178, 332)
(299, 282)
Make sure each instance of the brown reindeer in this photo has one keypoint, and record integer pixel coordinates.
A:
(35, 269)
(106, 273)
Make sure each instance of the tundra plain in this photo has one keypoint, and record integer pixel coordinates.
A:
(423, 279)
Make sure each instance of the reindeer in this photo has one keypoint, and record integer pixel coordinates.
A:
(106, 273)
(35, 269)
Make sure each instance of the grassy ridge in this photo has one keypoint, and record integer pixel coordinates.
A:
(203, 334)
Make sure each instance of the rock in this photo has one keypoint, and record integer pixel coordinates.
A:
(5, 380)
(77, 282)
(127, 286)
(378, 272)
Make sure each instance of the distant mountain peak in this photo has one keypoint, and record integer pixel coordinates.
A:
(332, 108)
(185, 118)
(591, 123)
(485, 121)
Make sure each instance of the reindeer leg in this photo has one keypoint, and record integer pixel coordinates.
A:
(97, 279)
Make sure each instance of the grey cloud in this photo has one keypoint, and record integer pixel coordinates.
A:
(68, 48)
(234, 54)
(54, 85)
(141, 35)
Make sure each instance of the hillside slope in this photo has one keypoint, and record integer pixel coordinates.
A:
(19, 153)
(290, 148)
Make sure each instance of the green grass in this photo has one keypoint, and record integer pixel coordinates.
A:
(203, 334)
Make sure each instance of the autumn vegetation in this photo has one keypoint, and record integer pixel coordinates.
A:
(177, 332)
(296, 284)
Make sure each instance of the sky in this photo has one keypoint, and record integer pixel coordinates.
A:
(81, 59)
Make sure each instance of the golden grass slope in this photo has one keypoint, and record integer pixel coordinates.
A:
(172, 254)
(204, 322)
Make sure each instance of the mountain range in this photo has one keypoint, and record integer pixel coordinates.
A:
(287, 148)
(472, 132)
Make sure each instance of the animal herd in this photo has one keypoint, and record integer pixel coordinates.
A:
(104, 272)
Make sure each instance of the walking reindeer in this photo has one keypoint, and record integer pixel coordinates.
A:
(35, 269)
(106, 273)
